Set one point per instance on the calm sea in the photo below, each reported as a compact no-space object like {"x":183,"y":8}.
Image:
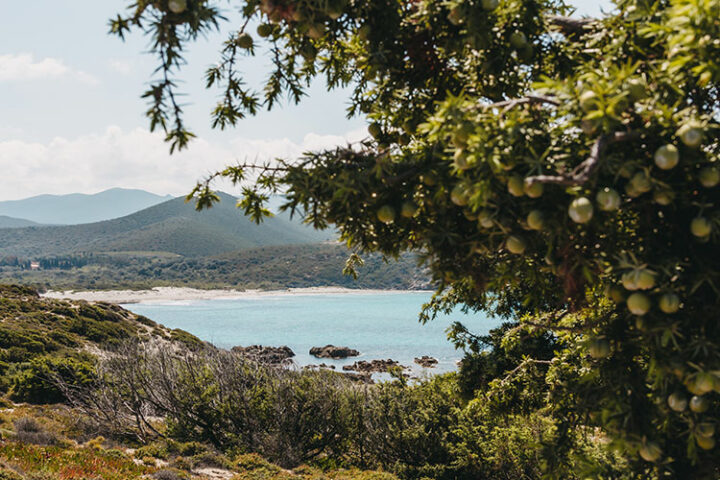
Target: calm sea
{"x":379,"y":325}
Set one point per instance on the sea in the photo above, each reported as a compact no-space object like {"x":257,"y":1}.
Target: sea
{"x":380,"y":325}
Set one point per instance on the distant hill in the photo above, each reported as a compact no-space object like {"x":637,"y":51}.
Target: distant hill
{"x":173,"y":226}
{"x":78,"y":208}
{"x":269,"y":268}
{"x":11,"y":222}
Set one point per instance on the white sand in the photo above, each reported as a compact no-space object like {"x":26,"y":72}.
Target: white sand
{"x":169,"y":294}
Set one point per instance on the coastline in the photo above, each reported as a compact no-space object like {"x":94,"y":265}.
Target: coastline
{"x":171,"y":294}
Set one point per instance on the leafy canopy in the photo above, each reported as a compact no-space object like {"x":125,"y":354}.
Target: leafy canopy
{"x":557,"y":170}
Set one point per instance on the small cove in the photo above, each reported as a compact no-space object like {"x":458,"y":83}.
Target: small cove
{"x":380,"y":325}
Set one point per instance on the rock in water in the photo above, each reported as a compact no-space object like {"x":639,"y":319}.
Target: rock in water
{"x":359,"y":377}
{"x":331,"y":351}
{"x":426,"y":361}
{"x":373,"y":366}
{"x":274,"y":356}
{"x":318,"y":367}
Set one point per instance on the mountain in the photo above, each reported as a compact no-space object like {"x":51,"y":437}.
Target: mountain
{"x":173,"y":226}
{"x":78,"y":208}
{"x":11,"y":222}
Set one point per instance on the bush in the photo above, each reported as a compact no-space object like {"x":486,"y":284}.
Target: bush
{"x":7,"y":474}
{"x":28,"y":430}
{"x":211,"y":460}
{"x":154,"y":449}
{"x":169,"y":474}
{"x":418,"y":430}
{"x":38,"y":383}
{"x":255,"y":463}
{"x":187,"y":339}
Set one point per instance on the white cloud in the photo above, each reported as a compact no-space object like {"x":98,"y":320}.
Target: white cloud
{"x":23,"y":67}
{"x":134,"y":159}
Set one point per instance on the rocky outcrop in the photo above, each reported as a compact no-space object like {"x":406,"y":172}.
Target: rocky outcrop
{"x":331,"y":351}
{"x":373,"y":366}
{"x":426,"y":361}
{"x":275,"y":356}
{"x":317,"y":367}
{"x":359,"y":377}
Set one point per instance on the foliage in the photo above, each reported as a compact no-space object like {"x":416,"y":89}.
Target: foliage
{"x":27,"y":430}
{"x":37,"y":382}
{"x":425,"y":430}
{"x":6,"y":474}
{"x":70,"y":463}
{"x":559,"y":170}
{"x":43,"y":341}
{"x":277,"y":267}
{"x":21,"y":459}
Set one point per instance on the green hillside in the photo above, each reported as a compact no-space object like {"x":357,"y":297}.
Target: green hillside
{"x":12,"y":222}
{"x":173,"y":226}
{"x":273,"y":267}
{"x":39,"y":334}
{"x":78,"y":208}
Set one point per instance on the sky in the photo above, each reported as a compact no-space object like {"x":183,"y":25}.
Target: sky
{"x":72,"y":120}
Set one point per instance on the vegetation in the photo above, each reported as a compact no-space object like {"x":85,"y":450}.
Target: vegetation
{"x":558,"y":170}
{"x":291,"y":266}
{"x":74,"y":455}
{"x":424,"y":430}
{"x":184,"y":406}
{"x":11,"y":222}
{"x":43,"y":341}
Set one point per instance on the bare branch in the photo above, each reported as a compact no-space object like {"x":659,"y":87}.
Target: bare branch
{"x":582,"y":173}
{"x":571,"y":26}
{"x":527,"y":100}
{"x":524,"y":364}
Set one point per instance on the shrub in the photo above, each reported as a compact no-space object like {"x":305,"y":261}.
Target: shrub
{"x":181,"y":463}
{"x":7,"y":474}
{"x":417,"y":430}
{"x":210,"y":459}
{"x":96,"y":443}
{"x":188,"y":448}
{"x":255,"y":463}
{"x":155,"y":449}
{"x":187,"y":339}
{"x":169,"y":474}
{"x":38,"y":383}
{"x":28,"y":430}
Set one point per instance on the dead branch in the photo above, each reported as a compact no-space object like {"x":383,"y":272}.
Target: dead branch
{"x":582,"y":173}
{"x":571,"y":26}
{"x":521,"y":366}
{"x":507,"y":105}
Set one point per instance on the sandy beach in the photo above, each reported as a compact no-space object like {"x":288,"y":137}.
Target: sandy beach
{"x":168,"y":294}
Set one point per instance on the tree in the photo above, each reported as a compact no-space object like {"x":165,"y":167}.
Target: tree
{"x":558,"y":170}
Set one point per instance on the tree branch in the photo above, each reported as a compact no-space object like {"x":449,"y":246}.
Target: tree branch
{"x":522,"y":365}
{"x":527,"y":100}
{"x":571,"y":26}
{"x":582,"y":173}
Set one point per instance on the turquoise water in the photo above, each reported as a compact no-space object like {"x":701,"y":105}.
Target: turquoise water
{"x":379,"y":325}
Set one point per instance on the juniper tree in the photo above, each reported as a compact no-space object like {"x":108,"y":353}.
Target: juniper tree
{"x":559,"y":170}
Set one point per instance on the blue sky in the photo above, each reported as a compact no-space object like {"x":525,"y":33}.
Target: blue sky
{"x":71,"y":117}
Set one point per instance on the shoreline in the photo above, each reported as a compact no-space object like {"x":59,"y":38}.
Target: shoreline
{"x":173,"y":294}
